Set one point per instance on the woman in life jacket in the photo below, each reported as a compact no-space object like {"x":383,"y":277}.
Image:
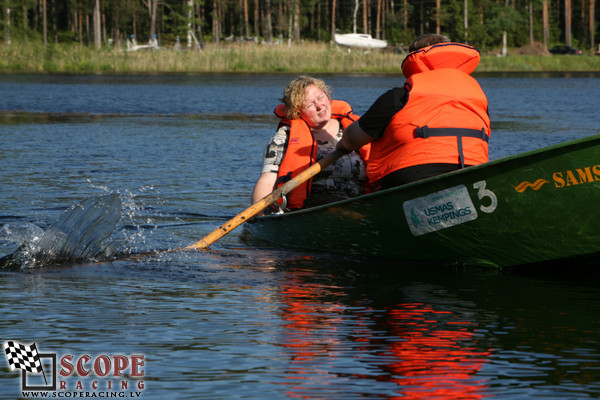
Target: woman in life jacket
{"x":435,"y":123}
{"x":310,"y":126}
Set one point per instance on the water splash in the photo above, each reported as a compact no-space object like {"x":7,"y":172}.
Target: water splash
{"x":20,"y":233}
{"x":114,"y":226}
{"x":83,"y":232}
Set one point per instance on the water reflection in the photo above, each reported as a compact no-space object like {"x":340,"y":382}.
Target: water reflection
{"x":424,"y":350}
{"x":437,"y":353}
{"x":285,"y":325}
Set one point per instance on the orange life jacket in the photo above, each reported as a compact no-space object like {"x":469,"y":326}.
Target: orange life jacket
{"x":301,"y":150}
{"x":445,"y":119}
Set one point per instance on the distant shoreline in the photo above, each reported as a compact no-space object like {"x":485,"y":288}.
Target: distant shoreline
{"x":306,"y":58}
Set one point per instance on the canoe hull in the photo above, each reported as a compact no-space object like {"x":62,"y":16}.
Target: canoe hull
{"x":536,"y":207}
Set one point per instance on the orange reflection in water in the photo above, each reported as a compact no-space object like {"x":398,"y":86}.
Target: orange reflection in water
{"x":429,"y":353}
{"x":436,"y":354}
{"x":311,"y":324}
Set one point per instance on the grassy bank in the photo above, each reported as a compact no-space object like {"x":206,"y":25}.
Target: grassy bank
{"x":250,"y":58}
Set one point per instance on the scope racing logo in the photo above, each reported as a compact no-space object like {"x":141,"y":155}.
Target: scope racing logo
{"x":103,"y":376}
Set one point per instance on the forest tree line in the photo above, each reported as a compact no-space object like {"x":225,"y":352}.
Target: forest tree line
{"x":486,"y":24}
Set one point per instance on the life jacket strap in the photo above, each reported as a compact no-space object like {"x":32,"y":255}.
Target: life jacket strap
{"x":426,"y":132}
{"x":283,"y":179}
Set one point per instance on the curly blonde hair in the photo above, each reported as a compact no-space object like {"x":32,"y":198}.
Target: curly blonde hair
{"x":293,"y":94}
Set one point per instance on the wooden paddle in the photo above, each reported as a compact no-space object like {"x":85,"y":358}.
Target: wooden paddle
{"x":265,"y":201}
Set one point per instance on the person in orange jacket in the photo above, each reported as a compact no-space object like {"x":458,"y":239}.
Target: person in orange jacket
{"x":310,"y":126}
{"x":436,"y":123}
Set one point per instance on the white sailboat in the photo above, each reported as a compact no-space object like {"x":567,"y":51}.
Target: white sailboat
{"x":358,"y":40}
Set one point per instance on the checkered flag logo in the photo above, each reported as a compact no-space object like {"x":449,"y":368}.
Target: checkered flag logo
{"x":23,"y":357}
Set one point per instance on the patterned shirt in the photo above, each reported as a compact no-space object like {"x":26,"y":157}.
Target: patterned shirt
{"x":343,"y":179}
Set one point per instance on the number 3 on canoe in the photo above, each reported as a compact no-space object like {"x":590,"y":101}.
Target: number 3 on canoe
{"x":482,"y":192}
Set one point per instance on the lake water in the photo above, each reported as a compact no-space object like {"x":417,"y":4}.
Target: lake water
{"x":239,"y":322}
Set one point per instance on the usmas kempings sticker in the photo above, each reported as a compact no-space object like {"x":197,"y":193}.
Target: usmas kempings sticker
{"x":439,"y":210}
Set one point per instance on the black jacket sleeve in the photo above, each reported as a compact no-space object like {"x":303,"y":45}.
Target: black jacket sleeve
{"x":378,"y":116}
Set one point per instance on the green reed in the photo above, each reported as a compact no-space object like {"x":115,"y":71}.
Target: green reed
{"x":308,"y":57}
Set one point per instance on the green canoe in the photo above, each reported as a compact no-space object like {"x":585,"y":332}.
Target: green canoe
{"x":534,"y":207}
